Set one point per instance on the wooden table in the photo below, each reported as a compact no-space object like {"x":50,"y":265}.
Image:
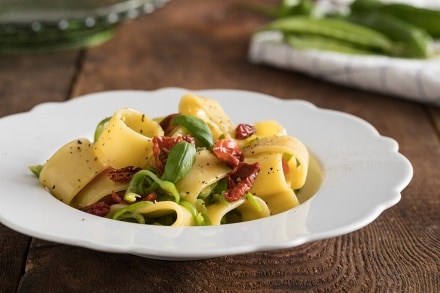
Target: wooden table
{"x":199,"y":44}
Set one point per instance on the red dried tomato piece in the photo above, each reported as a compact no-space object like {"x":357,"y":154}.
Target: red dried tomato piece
{"x":116,"y":198}
{"x":150,"y":197}
{"x":162,"y":146}
{"x":228,"y":151}
{"x":243,"y":131}
{"x":166,"y":124}
{"x":241,"y":180}
{"x":122,"y":174}
{"x":98,"y":209}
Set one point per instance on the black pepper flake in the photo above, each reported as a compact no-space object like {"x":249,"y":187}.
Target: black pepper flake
{"x":79,"y":142}
{"x":53,"y":187}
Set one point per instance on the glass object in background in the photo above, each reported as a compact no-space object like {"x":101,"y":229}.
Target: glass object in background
{"x":47,"y":25}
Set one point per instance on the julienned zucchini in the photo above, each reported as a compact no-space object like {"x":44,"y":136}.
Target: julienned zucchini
{"x":410,"y":41}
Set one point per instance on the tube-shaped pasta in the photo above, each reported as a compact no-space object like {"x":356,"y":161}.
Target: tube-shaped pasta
{"x":127,"y":139}
{"x":206,"y":171}
{"x":98,"y":188}
{"x":264,"y":128}
{"x":292,"y":150}
{"x":271,"y":184}
{"x":209,"y":111}
{"x":71,"y":168}
{"x":276,"y":182}
{"x":248,"y":212}
{"x":269,"y":128}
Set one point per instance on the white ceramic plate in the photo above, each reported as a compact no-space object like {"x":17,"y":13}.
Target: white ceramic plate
{"x":363,"y":175}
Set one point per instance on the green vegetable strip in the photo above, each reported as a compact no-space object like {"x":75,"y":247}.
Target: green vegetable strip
{"x":199,"y":220}
{"x":136,"y":186}
{"x":180,"y":160}
{"x":197,"y":128}
{"x":100,"y":128}
{"x":36,"y":169}
{"x":127,"y":212}
{"x":132,"y":215}
{"x":253,"y":201}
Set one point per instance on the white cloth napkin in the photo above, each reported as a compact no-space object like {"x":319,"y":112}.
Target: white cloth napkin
{"x":417,"y":80}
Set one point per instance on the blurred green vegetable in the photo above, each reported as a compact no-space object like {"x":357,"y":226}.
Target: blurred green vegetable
{"x":305,"y":42}
{"x":284,"y":9}
{"x":332,"y":28}
{"x":410,"y":41}
{"x":423,"y":18}
{"x":371,"y":27}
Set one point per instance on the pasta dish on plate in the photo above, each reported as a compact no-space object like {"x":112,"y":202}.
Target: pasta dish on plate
{"x":193,"y":167}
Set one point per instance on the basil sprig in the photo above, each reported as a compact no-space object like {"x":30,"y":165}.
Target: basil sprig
{"x":180,"y":160}
{"x":197,"y":128}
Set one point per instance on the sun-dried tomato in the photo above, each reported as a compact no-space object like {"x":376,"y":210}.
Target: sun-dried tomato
{"x":116,"y":197}
{"x":241,"y":180}
{"x":122,"y":174}
{"x":162,"y":146}
{"x":166,"y":124}
{"x":243,"y":131}
{"x":228,"y":151}
{"x":98,"y":209}
{"x":150,"y":197}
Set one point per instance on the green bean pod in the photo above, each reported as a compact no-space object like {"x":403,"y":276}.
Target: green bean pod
{"x":307,"y":42}
{"x":411,"y":42}
{"x":424,"y":18}
{"x":334,"y":28}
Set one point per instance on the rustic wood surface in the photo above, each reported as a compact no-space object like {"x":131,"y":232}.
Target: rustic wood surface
{"x":199,"y":44}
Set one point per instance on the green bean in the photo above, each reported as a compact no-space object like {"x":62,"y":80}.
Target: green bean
{"x":335,"y":28}
{"x":285,"y":8}
{"x":411,"y":41}
{"x":304,"y":42}
{"x":424,"y":18}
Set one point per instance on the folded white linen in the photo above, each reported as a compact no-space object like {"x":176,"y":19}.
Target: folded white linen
{"x":418,"y":80}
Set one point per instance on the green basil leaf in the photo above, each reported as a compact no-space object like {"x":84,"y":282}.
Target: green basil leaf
{"x":197,"y":128}
{"x":180,"y":160}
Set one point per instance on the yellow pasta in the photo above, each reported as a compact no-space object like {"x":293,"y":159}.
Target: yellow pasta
{"x":71,"y":168}
{"x":206,"y":171}
{"x":96,"y":190}
{"x":127,"y":139}
{"x":209,"y":111}
{"x":245,"y":209}
{"x":291,"y":149}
